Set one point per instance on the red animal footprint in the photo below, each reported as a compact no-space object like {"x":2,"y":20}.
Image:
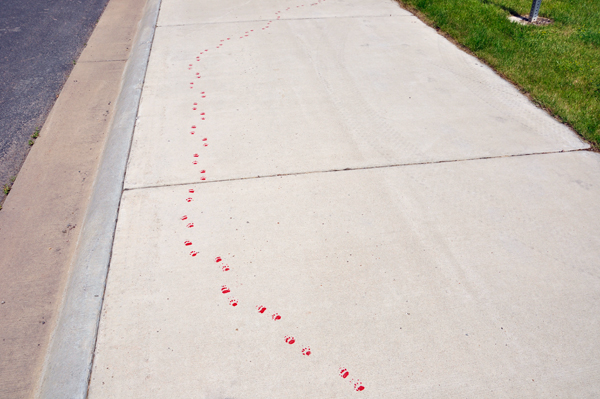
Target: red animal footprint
{"x":193,"y":126}
{"x":261,"y":309}
{"x":358,"y":386}
{"x":192,"y":132}
{"x":187,"y":243}
{"x":202,"y":171}
{"x":204,"y":139}
{"x":190,"y":225}
{"x":193,"y":253}
{"x":306,"y":351}
{"x":195,"y":162}
{"x":218,"y":259}
{"x":184,"y":217}
{"x":344,"y":373}
{"x":225,"y":290}
{"x":276,"y":316}
{"x":196,"y":155}
{"x":203,"y":178}
{"x":189,"y":199}
{"x":191,"y":190}
{"x":225,"y":268}
{"x":289,"y":340}
{"x":233,"y":302}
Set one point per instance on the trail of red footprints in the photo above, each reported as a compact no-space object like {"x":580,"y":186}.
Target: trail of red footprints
{"x":200,"y":116}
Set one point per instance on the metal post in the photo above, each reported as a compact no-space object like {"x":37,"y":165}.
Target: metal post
{"x":535,"y":10}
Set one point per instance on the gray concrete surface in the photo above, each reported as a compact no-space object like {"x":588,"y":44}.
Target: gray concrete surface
{"x":39,"y":41}
{"x":362,"y":209}
{"x":42,"y":218}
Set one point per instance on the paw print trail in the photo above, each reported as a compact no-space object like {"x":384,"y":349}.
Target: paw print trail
{"x":198,"y":115}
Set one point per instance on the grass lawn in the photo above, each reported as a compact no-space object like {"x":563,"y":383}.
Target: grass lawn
{"x":557,"y":64}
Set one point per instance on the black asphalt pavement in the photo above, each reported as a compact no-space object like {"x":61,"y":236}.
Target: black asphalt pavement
{"x":39,"y":42}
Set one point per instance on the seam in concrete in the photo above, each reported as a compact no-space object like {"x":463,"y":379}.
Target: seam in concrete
{"x":361,"y":168}
{"x":281,"y":20}
{"x":68,"y":364}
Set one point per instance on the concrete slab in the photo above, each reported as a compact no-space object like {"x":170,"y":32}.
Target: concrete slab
{"x":461,"y":279}
{"x":183,"y":12}
{"x":303,"y":95}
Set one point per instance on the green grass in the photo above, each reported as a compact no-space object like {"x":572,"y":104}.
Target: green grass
{"x":557,"y":64}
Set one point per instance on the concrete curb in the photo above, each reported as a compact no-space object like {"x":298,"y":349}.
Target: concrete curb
{"x":69,"y":361}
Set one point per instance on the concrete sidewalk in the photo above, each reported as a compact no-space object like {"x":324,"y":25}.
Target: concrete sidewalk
{"x":329,"y":199}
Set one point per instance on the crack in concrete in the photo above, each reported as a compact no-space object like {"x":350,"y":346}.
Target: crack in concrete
{"x":357,"y":168}
{"x":285,"y":19}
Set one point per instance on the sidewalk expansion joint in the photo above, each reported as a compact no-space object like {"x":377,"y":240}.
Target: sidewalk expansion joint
{"x":281,"y":20}
{"x":357,"y":168}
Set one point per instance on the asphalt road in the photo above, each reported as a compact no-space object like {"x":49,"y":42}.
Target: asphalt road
{"x":39,"y":42}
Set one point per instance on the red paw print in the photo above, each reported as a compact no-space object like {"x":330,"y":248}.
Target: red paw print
{"x":184,"y":217}
{"x":187,"y":243}
{"x":190,"y":225}
{"x":202,"y":171}
{"x":191,"y":190}
{"x":225,"y":268}
{"x":233,"y":302}
{"x":306,"y":351}
{"x":344,"y":373}
{"x":358,"y":386}
{"x":218,"y":259}
{"x":196,"y":155}
{"x":189,"y":199}
{"x":193,"y":253}
{"x":261,"y":309}
{"x":224,"y":289}
{"x":289,"y":340}
{"x":276,"y":316}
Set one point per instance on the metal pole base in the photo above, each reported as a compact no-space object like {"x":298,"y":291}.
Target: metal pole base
{"x":535,"y":10}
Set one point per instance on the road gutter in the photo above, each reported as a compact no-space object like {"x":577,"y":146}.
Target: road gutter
{"x":68,"y":364}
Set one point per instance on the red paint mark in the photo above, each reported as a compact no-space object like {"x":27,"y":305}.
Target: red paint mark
{"x":276,"y":316}
{"x":225,"y":268}
{"x":202,"y":171}
{"x":203,"y":96}
{"x":190,"y":225}
{"x":202,"y":93}
{"x":194,"y":108}
{"x":261,"y":309}
{"x":218,"y":259}
{"x":184,"y":217}
{"x":187,"y":243}
{"x":191,"y":83}
{"x":206,"y":145}
{"x":189,"y":199}
{"x":233,"y":302}
{"x":203,"y":113}
{"x":191,"y":190}
{"x":228,"y":38}
{"x":197,"y":73}
{"x":195,"y":162}
{"x":196,"y":155}
{"x":344,"y":373}
{"x":192,"y":132}
{"x":225,"y":290}
{"x":195,"y":103}
{"x":203,"y":178}
{"x":204,"y":139}
{"x":198,"y":77}
{"x":289,"y":340}
{"x":306,"y":351}
{"x":358,"y":386}
{"x":193,"y":253}
{"x":190,"y":64}
{"x":193,"y":126}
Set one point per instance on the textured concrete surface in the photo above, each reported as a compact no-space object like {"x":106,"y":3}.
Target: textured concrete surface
{"x":39,"y":40}
{"x":462,"y":279}
{"x":42,"y":217}
{"x":417,"y":229}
